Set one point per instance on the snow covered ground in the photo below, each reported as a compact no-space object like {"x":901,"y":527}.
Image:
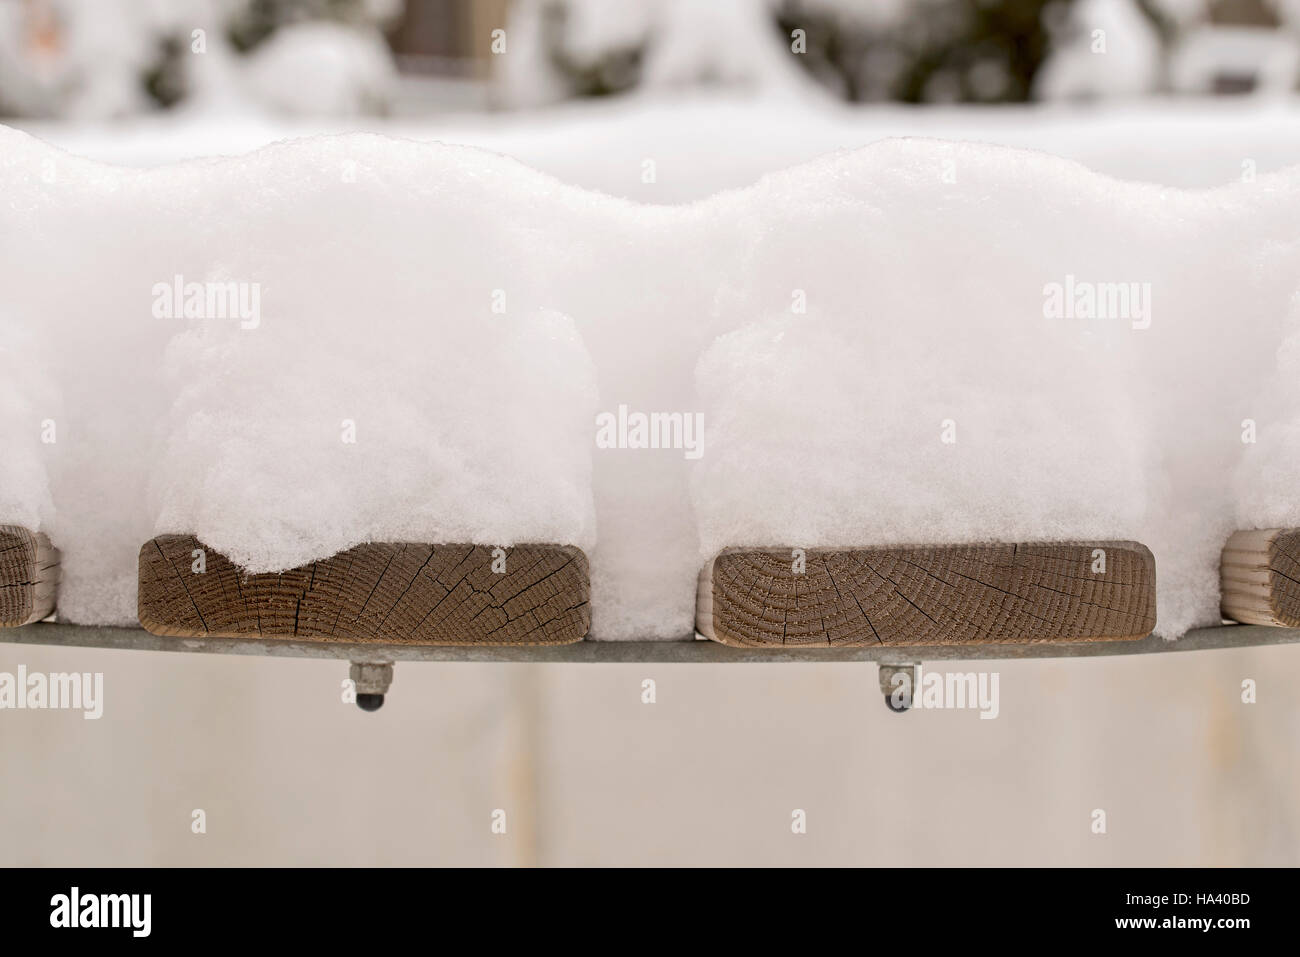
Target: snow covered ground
{"x":829,"y":318}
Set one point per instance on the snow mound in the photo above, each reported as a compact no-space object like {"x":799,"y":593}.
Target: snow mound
{"x":318,"y":68}
{"x":28,"y":421}
{"x":318,"y":344}
{"x":281,"y":452}
{"x":936,"y":342}
{"x":356,"y":338}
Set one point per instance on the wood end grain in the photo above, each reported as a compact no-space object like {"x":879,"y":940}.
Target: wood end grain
{"x":29,"y":576}
{"x":381,"y":592}
{"x":1259,"y":577}
{"x":928,"y":595}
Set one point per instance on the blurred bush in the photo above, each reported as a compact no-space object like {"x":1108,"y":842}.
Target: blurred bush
{"x":100,"y":58}
{"x":95,"y":59}
{"x":927,"y":51}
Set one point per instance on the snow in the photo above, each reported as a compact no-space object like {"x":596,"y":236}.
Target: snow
{"x":583,"y":31}
{"x":27,"y":406}
{"x":476,"y":430}
{"x":84,"y":59}
{"x":703,"y":144}
{"x":593,"y":27}
{"x":1264,"y":481}
{"x":322,"y":68}
{"x":1269,"y":57}
{"x":372,"y":394}
{"x":928,"y":318}
{"x":1109,"y":49}
{"x":726,"y":42}
{"x":926,"y":267}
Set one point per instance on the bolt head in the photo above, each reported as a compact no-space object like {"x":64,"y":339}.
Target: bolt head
{"x":889,"y":703}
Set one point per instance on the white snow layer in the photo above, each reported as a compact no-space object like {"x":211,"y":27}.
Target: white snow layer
{"x":918,"y":341}
{"x":365,"y":388}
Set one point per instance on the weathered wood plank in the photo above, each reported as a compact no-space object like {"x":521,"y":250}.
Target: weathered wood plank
{"x":383,"y":592}
{"x":29,"y":576}
{"x":928,"y":595}
{"x":1259,"y":577}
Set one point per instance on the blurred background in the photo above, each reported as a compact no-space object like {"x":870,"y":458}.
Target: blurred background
{"x":710,"y":774}
{"x":91,"y":59}
{"x":1191,"y":93}
{"x":717,"y":92}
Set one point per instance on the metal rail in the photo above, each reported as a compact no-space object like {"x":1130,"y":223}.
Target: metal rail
{"x":372,"y":671}
{"x":683,"y":652}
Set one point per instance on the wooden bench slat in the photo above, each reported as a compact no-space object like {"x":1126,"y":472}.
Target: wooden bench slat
{"x":383,"y":592}
{"x":928,"y":595}
{"x":29,"y":576}
{"x":1259,"y":577}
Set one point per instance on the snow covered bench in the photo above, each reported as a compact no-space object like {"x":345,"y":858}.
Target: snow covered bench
{"x":383,"y":593}
{"x":29,"y":576}
{"x":928,"y":595}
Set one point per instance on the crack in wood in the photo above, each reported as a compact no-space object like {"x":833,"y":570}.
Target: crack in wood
{"x":452,"y":598}
{"x":908,"y":595}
